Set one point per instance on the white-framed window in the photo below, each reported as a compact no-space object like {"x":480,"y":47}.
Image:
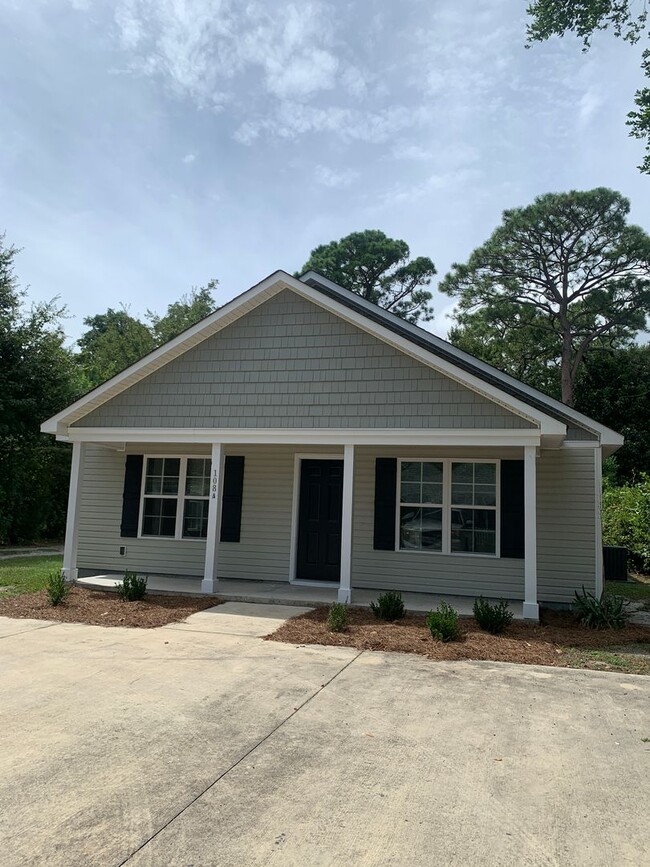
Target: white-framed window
{"x":175,"y":497}
{"x":448,"y":505}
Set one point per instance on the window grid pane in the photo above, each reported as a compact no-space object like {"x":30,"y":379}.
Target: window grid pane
{"x":473,"y":484}
{"x":421,"y":482}
{"x":473,"y":531}
{"x":195,"y":519}
{"x":197,"y":480}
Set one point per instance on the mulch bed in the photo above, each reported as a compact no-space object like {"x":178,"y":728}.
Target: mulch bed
{"x":105,"y":609}
{"x":535,"y":644}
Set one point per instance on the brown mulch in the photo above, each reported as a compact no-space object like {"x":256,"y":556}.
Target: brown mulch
{"x":105,"y":609}
{"x":535,"y":644}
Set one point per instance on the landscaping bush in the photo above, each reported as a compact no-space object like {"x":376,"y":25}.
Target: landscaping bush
{"x":608,"y":612}
{"x":337,"y":617}
{"x":132,"y":588}
{"x":493,"y":618}
{"x":443,"y":623}
{"x":57,"y":588}
{"x":389,"y":606}
{"x":626,"y":520}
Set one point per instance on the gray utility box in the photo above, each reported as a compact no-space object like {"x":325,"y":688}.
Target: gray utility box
{"x":614,"y":563}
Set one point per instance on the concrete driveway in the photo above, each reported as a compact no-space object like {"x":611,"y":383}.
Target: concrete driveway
{"x":200,"y":744}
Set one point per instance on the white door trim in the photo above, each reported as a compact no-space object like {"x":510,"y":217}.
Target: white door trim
{"x":298,"y":458}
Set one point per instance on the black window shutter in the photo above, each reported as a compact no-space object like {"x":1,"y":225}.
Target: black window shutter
{"x":512,"y":509}
{"x":233,"y":486}
{"x":385,"y":493}
{"x":131,"y":496}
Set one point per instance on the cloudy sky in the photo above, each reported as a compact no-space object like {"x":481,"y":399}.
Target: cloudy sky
{"x":147,"y":146}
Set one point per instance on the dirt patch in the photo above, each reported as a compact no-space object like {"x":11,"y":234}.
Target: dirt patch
{"x":545,"y":643}
{"x":105,"y":609}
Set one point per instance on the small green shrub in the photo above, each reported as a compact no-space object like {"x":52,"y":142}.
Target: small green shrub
{"x":492,"y":618}
{"x":608,"y":612}
{"x":337,"y":617}
{"x":132,"y":588}
{"x":57,"y":588}
{"x":443,"y":623}
{"x":389,"y":606}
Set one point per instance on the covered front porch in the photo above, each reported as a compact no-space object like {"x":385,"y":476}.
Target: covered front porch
{"x":266,"y":557}
{"x":284,"y":593}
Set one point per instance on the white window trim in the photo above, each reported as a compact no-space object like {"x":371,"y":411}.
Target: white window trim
{"x":447,"y":507}
{"x":179,"y":497}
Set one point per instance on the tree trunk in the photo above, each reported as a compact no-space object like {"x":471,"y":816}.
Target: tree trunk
{"x":565,"y":367}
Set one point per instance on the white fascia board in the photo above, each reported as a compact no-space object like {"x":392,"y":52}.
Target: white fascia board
{"x":308,"y":436}
{"x":222,"y":317}
{"x":607,"y":435}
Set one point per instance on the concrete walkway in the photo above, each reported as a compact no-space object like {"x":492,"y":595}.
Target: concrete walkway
{"x":200,"y":744}
{"x":283,"y":593}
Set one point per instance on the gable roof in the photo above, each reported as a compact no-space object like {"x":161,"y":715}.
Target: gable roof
{"x":551,"y":415}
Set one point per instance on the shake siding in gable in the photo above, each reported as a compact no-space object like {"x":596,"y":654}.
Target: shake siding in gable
{"x":291,"y":364}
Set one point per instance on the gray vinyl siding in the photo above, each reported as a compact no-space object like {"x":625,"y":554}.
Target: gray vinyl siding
{"x":566,"y":536}
{"x":424,"y":571}
{"x":292,"y":364}
{"x":100,"y":516}
{"x":566,"y":523}
{"x":261,"y":554}
{"x":566,"y":526}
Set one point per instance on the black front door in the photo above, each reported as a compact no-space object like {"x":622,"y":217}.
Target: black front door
{"x":319,"y":521}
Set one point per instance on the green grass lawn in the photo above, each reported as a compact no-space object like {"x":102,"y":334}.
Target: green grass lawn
{"x":624,"y":659}
{"x":636,"y":588}
{"x":26,"y":574}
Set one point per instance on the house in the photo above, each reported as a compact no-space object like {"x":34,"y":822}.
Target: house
{"x":303,"y":434}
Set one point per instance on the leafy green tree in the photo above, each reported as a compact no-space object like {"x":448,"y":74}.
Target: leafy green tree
{"x":38,"y":377}
{"x":513,"y":339}
{"x":625,"y":18}
{"x":570,"y":263}
{"x":614,"y":388}
{"x":379,"y":269}
{"x":113,"y":341}
{"x":183,"y":313}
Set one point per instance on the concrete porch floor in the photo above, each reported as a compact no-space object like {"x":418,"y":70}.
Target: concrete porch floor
{"x":283,"y":593}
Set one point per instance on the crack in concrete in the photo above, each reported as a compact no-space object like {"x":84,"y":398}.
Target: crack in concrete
{"x":29,"y":629}
{"x":245,"y":755}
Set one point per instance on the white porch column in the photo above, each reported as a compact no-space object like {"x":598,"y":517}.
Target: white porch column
{"x":210,"y":579}
{"x":345,"y":592}
{"x":530,"y":608}
{"x":69,"y":568}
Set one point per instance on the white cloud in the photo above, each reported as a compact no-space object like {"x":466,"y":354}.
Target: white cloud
{"x":329,"y":177}
{"x":188,"y":158}
{"x":588,"y":105}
